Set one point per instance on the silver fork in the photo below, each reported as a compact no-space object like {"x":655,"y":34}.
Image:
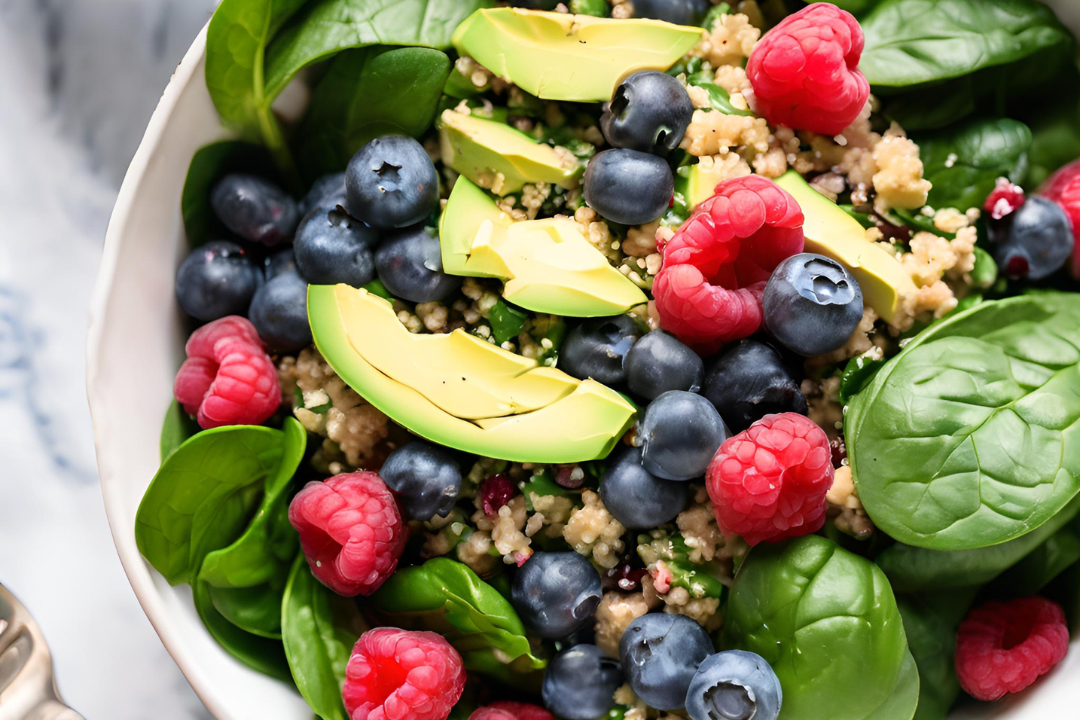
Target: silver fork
{"x":27,"y":686}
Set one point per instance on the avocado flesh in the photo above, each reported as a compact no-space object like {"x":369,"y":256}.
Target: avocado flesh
{"x":558,"y":56}
{"x":697,"y":184}
{"x":582,"y":423}
{"x":549,"y":266}
{"x":886,"y":285}
{"x":481,"y":149}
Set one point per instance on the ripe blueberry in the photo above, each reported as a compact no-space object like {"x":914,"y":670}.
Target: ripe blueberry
{"x":215,"y":280}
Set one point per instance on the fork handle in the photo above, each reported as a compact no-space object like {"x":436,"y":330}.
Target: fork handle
{"x":53,"y":710}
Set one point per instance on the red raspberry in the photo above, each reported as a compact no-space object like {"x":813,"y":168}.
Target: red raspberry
{"x":351,"y":531}
{"x":805,"y":71}
{"x":1004,"y":647}
{"x":402,"y":675}
{"x":1063,"y":187}
{"x":228,"y":379}
{"x":510,"y":710}
{"x":495,"y":492}
{"x":1004,"y":199}
{"x":715,"y":267}
{"x":769,"y":482}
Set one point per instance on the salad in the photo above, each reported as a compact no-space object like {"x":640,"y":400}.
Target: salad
{"x":632,"y":359}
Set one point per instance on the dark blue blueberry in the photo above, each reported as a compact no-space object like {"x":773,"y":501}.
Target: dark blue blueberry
{"x":734,"y":685}
{"x":658,"y":363}
{"x":1033,"y":241}
{"x":579,"y":683}
{"x":215,"y":280}
{"x":279,"y":313}
{"x":679,"y":435}
{"x":660,"y":654}
{"x":638,"y":499}
{"x":391,"y":183}
{"x":628,"y":186}
{"x":332,"y":248}
{"x":812,"y":304}
{"x":555,"y":593}
{"x":254,"y":208}
{"x":596,"y":349}
{"x":409,"y":264}
{"x":281,"y":262}
{"x":649,"y":112}
{"x":426,"y":478}
{"x":680,"y":12}
{"x":749,"y":381}
{"x":327,"y":192}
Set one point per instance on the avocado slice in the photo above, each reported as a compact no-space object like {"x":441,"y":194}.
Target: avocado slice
{"x":551,"y":417}
{"x":697,"y":184}
{"x":549,"y":266}
{"x":558,"y":56}
{"x":480,"y":149}
{"x":886,"y":285}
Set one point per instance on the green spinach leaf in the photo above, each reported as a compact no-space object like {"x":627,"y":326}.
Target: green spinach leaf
{"x":719,"y":99}
{"x":507,"y":321}
{"x":177,"y":428}
{"x":209,"y":164}
{"x":1029,"y":576}
{"x":1055,"y":138}
{"x":930,"y":623}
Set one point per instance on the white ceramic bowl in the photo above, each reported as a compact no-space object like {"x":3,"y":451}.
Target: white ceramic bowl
{"x":135,"y":346}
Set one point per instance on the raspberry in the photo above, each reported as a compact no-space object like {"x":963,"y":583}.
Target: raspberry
{"x":805,"y":71}
{"x":715,"y":267}
{"x":510,"y":710}
{"x":1002,"y":647}
{"x":769,"y":482}
{"x":402,"y":675}
{"x":351,"y":531}
{"x":495,"y":492}
{"x":1063,"y":187}
{"x":228,"y":379}
{"x":1003,"y":199}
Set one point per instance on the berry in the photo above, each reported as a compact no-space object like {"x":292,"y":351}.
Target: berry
{"x":227,"y":379}
{"x":350,"y":530}
{"x":708,"y":291}
{"x":658,"y":363}
{"x":1063,"y":187}
{"x":659,"y":654}
{"x":391,"y":183}
{"x":555,"y":593}
{"x":805,"y":71}
{"x":280,"y":263}
{"x":625,"y":576}
{"x":495,"y":492}
{"x":426,"y":478}
{"x":1004,"y":199}
{"x":326,"y":192}
{"x":734,"y":685}
{"x":596,"y":348}
{"x":1033,"y":242}
{"x":402,"y":675}
{"x":680,"y":12}
{"x":679,"y":435}
{"x":638,"y":499}
{"x":769,"y":482}
{"x":410,"y":266}
{"x":749,"y":381}
{"x":215,"y":280}
{"x":812,"y":304}
{"x":254,"y":208}
{"x":628,"y":186}
{"x":649,"y":112}
{"x":332,"y":248}
{"x":579,"y":683}
{"x":1003,"y":647}
{"x":516,"y":710}
{"x":279,"y":313}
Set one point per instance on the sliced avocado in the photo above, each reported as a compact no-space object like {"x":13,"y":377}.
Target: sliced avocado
{"x":886,"y":285}
{"x":697,"y":184}
{"x":481,"y":149}
{"x":549,"y":266}
{"x":558,"y":56}
{"x":414,"y":379}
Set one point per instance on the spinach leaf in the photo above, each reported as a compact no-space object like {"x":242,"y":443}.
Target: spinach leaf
{"x":1055,"y":138}
{"x":930,"y":623}
{"x":596,"y":8}
{"x":177,"y":428}
{"x":985,"y":272}
{"x":857,"y":373}
{"x":1029,"y":576}
{"x":507,"y":321}
{"x":367,"y":93}
{"x":209,"y":164}
{"x":824,"y":618}
{"x":968,"y":437}
{"x":718,"y":97}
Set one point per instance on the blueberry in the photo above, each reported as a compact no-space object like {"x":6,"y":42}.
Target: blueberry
{"x":410,"y":266}
{"x":680,"y":12}
{"x":579,"y":683}
{"x":426,"y":478}
{"x":332,"y":248}
{"x":649,"y":112}
{"x":628,"y":186}
{"x":660,"y":654}
{"x":679,"y":435}
{"x":749,"y":381}
{"x":279,"y":313}
{"x":734,"y":685}
{"x":555,"y":593}
{"x":281,"y":262}
{"x":328,"y":191}
{"x":215,"y":280}
{"x":596,"y":349}
{"x":658,"y":363}
{"x":254,"y":208}
{"x":391,"y":183}
{"x":1033,"y":241}
{"x":812,"y":304}
{"x":638,"y":499}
